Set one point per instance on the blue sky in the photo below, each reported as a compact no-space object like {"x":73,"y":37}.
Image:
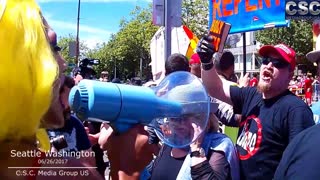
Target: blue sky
{"x":98,"y":18}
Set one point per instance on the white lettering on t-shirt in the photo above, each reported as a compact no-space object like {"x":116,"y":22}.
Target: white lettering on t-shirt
{"x":247,"y":140}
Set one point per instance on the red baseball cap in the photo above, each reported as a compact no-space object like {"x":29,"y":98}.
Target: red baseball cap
{"x":282,"y":50}
{"x":195,"y":59}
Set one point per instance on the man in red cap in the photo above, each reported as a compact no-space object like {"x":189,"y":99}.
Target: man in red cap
{"x":271,"y":114}
{"x":301,"y":159}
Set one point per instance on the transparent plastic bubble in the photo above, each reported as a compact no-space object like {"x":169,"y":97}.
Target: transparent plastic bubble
{"x":187,"y":89}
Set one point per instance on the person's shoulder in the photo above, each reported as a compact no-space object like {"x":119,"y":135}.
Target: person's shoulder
{"x":249,"y":93}
{"x":252,"y":91}
{"x":75,"y":121}
{"x":308,"y":135}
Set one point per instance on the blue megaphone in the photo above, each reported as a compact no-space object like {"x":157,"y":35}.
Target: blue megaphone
{"x":121,"y":105}
{"x":179,"y":95}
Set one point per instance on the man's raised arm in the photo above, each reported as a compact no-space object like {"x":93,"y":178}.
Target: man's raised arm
{"x":214,"y":85}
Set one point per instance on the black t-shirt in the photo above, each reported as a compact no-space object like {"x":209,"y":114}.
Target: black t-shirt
{"x":74,"y":133}
{"x":267,"y":126}
{"x":166,"y":166}
{"x":301,"y":159}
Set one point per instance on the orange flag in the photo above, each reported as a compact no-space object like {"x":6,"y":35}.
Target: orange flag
{"x":193,"y":41}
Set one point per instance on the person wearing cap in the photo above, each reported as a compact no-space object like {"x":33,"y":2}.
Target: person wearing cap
{"x":194,"y":64}
{"x":301,"y":158}
{"x":271,"y":115}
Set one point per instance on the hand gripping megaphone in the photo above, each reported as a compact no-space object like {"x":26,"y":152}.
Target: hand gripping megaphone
{"x":179,"y":104}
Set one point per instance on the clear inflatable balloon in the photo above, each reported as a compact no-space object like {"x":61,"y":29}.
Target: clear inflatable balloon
{"x":185,"y":88}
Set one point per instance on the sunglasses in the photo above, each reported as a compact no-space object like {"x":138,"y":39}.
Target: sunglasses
{"x":277,"y":63}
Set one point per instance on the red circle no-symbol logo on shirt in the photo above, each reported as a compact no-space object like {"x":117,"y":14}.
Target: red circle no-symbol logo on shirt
{"x":250,"y":138}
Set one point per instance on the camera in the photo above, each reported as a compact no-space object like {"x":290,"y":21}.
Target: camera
{"x":85,"y":68}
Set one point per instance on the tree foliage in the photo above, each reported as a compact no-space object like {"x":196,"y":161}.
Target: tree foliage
{"x":130,"y":46}
{"x":122,"y":54}
{"x":195,"y":15}
{"x":64,"y":44}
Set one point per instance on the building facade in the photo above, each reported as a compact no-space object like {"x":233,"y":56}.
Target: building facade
{"x":252,"y":61}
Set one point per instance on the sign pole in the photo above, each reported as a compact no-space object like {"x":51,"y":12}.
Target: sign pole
{"x":244,"y":54}
{"x":167,"y":34}
{"x":77,"y":38}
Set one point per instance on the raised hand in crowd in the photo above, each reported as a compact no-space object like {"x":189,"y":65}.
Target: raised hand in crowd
{"x":269,"y":105}
{"x":205,"y":51}
{"x":244,"y":80}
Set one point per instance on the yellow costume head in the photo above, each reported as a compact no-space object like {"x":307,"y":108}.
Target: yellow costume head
{"x":27,"y":69}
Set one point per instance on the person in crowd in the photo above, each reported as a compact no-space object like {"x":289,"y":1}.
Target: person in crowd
{"x":194,"y":63}
{"x":293,"y":87}
{"x":308,"y":89}
{"x":104,"y":76}
{"x":315,"y":85}
{"x":131,"y":152}
{"x":93,"y":131}
{"x":116,"y":80}
{"x":179,"y":163}
{"x":314,"y":56}
{"x":93,"y":128}
{"x":254,"y":80}
{"x":34,"y":101}
{"x":225,"y":70}
{"x":211,"y":156}
{"x":271,"y":115}
{"x":176,"y":62}
{"x":301,"y":158}
{"x":225,"y":65}
{"x":136,"y":81}
{"x":244,"y":81}
{"x":300,"y":91}
{"x":73,"y":130}
{"x":72,"y":137}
